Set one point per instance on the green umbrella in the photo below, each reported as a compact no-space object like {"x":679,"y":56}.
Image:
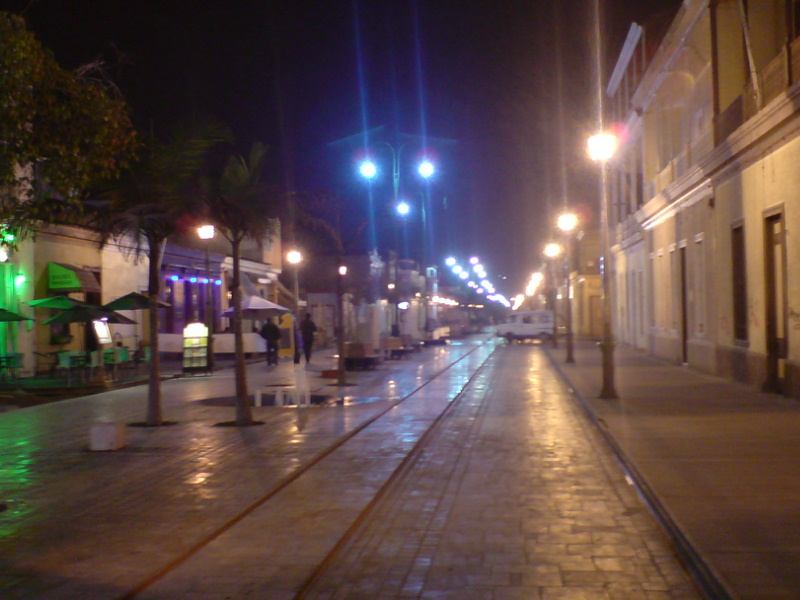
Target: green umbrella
{"x":59,"y":302}
{"x":87,"y":314}
{"x":7,"y":316}
{"x":132,"y":301}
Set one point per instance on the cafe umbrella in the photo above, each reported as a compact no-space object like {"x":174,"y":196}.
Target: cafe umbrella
{"x":7,"y":316}
{"x":87,"y":314}
{"x":58,"y":302}
{"x":256,"y":307}
{"x":133,"y":301}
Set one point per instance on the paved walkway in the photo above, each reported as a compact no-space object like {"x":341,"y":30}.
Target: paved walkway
{"x":514,"y":497}
{"x":511,"y":495}
{"x":718,"y":459}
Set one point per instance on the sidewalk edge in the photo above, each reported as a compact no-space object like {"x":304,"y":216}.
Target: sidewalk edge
{"x":710,"y":583}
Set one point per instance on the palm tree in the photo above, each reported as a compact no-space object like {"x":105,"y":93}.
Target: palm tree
{"x":320,"y":213}
{"x":146,"y":206}
{"x":240,"y":207}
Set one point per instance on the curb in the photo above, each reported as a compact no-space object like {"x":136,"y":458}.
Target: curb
{"x":710,"y":583}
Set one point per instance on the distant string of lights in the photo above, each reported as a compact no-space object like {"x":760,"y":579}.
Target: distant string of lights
{"x":474,"y":276}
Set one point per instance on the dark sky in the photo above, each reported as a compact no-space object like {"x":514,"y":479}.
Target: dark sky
{"x":509,"y":83}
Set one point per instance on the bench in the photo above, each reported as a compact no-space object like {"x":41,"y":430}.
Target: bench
{"x":360,"y":355}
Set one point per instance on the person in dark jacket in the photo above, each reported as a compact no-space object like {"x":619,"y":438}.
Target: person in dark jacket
{"x":272,"y":334}
{"x":307,"y":330}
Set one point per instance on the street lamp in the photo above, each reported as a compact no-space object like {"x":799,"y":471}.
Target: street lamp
{"x":552,"y":251}
{"x":295,"y":257}
{"x":567,"y":222}
{"x":601,"y":149}
{"x":206,"y":233}
{"x":425,"y":168}
{"x":341,"y":364}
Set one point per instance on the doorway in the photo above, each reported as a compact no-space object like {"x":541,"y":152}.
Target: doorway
{"x":775,"y":274}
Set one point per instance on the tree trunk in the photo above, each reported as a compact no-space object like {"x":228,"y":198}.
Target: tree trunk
{"x":244,"y":415}
{"x":154,"y":416}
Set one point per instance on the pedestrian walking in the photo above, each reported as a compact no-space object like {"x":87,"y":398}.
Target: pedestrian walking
{"x":307,"y":330}
{"x":272,"y":335}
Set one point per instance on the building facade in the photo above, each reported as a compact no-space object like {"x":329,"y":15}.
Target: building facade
{"x":705,"y":191}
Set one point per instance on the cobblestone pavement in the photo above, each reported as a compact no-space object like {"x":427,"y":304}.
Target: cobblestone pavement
{"x":83,"y":524}
{"x":512,"y":494}
{"x":515,"y":497}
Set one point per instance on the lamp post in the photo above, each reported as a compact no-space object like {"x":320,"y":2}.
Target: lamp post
{"x":207,"y":232}
{"x":341,"y":370}
{"x":601,"y":149}
{"x":552,"y":251}
{"x":567,"y":223}
{"x":426,"y":169}
{"x":294,"y":258}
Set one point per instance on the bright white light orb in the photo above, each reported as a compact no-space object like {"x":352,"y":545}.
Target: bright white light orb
{"x":426,"y":169}
{"x":368,"y":169}
{"x":602,"y":146}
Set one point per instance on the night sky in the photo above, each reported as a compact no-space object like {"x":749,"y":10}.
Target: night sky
{"x":505,"y":90}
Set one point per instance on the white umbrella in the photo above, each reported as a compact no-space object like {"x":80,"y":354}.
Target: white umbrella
{"x":256,"y":307}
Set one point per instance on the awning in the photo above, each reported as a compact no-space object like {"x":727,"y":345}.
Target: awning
{"x":68,"y":278}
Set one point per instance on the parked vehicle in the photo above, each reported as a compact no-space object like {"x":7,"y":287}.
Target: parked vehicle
{"x":531,"y":325}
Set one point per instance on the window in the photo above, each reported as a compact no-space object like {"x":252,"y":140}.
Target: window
{"x":739,"y":260}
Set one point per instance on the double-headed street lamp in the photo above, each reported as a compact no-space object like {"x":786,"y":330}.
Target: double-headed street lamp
{"x":426,"y":169}
{"x":601,"y":149}
{"x":567,"y":223}
{"x":206,"y":233}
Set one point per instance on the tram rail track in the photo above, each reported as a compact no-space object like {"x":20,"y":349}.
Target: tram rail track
{"x":197,"y":547}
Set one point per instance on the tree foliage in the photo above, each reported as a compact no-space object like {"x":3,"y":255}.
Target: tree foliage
{"x":59,"y":130}
{"x":158,"y":194}
{"x":242,"y":206}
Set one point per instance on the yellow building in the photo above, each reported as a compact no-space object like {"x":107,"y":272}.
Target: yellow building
{"x":705,"y":190}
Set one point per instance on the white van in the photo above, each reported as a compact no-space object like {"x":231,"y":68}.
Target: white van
{"x":531,"y":325}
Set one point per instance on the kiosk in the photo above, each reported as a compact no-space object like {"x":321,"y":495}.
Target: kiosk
{"x":195,"y":349}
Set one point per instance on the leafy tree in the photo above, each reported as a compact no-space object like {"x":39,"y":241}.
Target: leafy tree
{"x":241,"y":206}
{"x":59,"y":130}
{"x":148,"y":204}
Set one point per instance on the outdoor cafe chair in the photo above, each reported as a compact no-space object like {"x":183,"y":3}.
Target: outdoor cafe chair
{"x":9,"y":365}
{"x":70,"y":361}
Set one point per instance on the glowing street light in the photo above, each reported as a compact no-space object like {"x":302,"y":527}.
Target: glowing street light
{"x":368,"y":169}
{"x":566,"y":222}
{"x":426,"y":169}
{"x":602,"y":146}
{"x":552,"y":250}
{"x":403,"y":208}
